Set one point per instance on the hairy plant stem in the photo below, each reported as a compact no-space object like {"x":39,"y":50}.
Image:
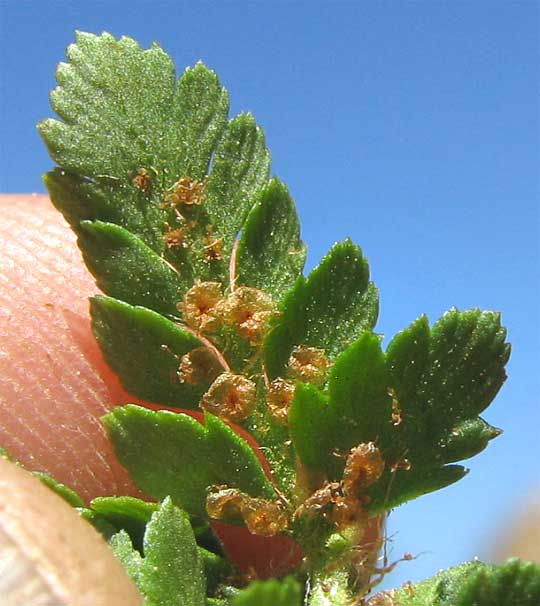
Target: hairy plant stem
{"x":341,"y":565}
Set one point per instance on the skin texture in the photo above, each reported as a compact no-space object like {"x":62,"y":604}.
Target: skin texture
{"x":54,"y":384}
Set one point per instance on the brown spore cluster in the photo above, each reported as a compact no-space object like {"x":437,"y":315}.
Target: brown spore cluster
{"x":344,"y":502}
{"x":279,"y":397}
{"x":262,"y":517}
{"x":231,"y":397}
{"x":200,"y":306}
{"x":185,"y":192}
{"x":199,"y":366}
{"x":308,"y":364}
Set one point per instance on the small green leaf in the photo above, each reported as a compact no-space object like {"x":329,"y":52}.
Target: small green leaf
{"x":284,"y":592}
{"x":467,"y":439}
{"x":419,"y":404}
{"x":436,"y":590}
{"x":329,"y":309}
{"x":358,"y":396}
{"x":271,"y":255}
{"x":112,"y":96}
{"x":200,"y":111}
{"x":130,"y":516}
{"x":514,"y":583}
{"x":171,"y":571}
{"x":127,"y":269}
{"x":105,"y":528}
{"x":472,"y":344}
{"x":80,"y":199}
{"x":173,"y":454}
{"x":129,"y":557}
{"x":231,"y":457}
{"x":63,"y":491}
{"x":442,"y":380}
{"x":144,"y":349}
{"x":124,"y":101}
{"x":126,"y":513}
{"x":407,"y":357}
{"x":164,"y":452}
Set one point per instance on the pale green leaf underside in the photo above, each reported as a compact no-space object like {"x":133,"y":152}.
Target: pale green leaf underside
{"x":129,"y":557}
{"x":126,"y":102}
{"x":173,"y":454}
{"x":128,"y":515}
{"x":171,"y":571}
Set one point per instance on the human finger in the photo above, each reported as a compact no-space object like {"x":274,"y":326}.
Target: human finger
{"x":54,"y":383}
{"x":49,"y":555}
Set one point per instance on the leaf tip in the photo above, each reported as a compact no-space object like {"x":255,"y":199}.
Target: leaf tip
{"x":495,"y":432}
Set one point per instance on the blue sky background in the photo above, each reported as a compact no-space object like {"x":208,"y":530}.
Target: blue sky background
{"x":412,"y":127}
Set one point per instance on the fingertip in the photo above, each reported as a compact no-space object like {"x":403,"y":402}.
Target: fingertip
{"x":49,"y":554}
{"x":54,"y":385}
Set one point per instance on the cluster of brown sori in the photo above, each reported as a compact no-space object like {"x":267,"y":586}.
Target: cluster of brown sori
{"x":182,"y":199}
{"x":341,"y":503}
{"x":205,"y":310}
